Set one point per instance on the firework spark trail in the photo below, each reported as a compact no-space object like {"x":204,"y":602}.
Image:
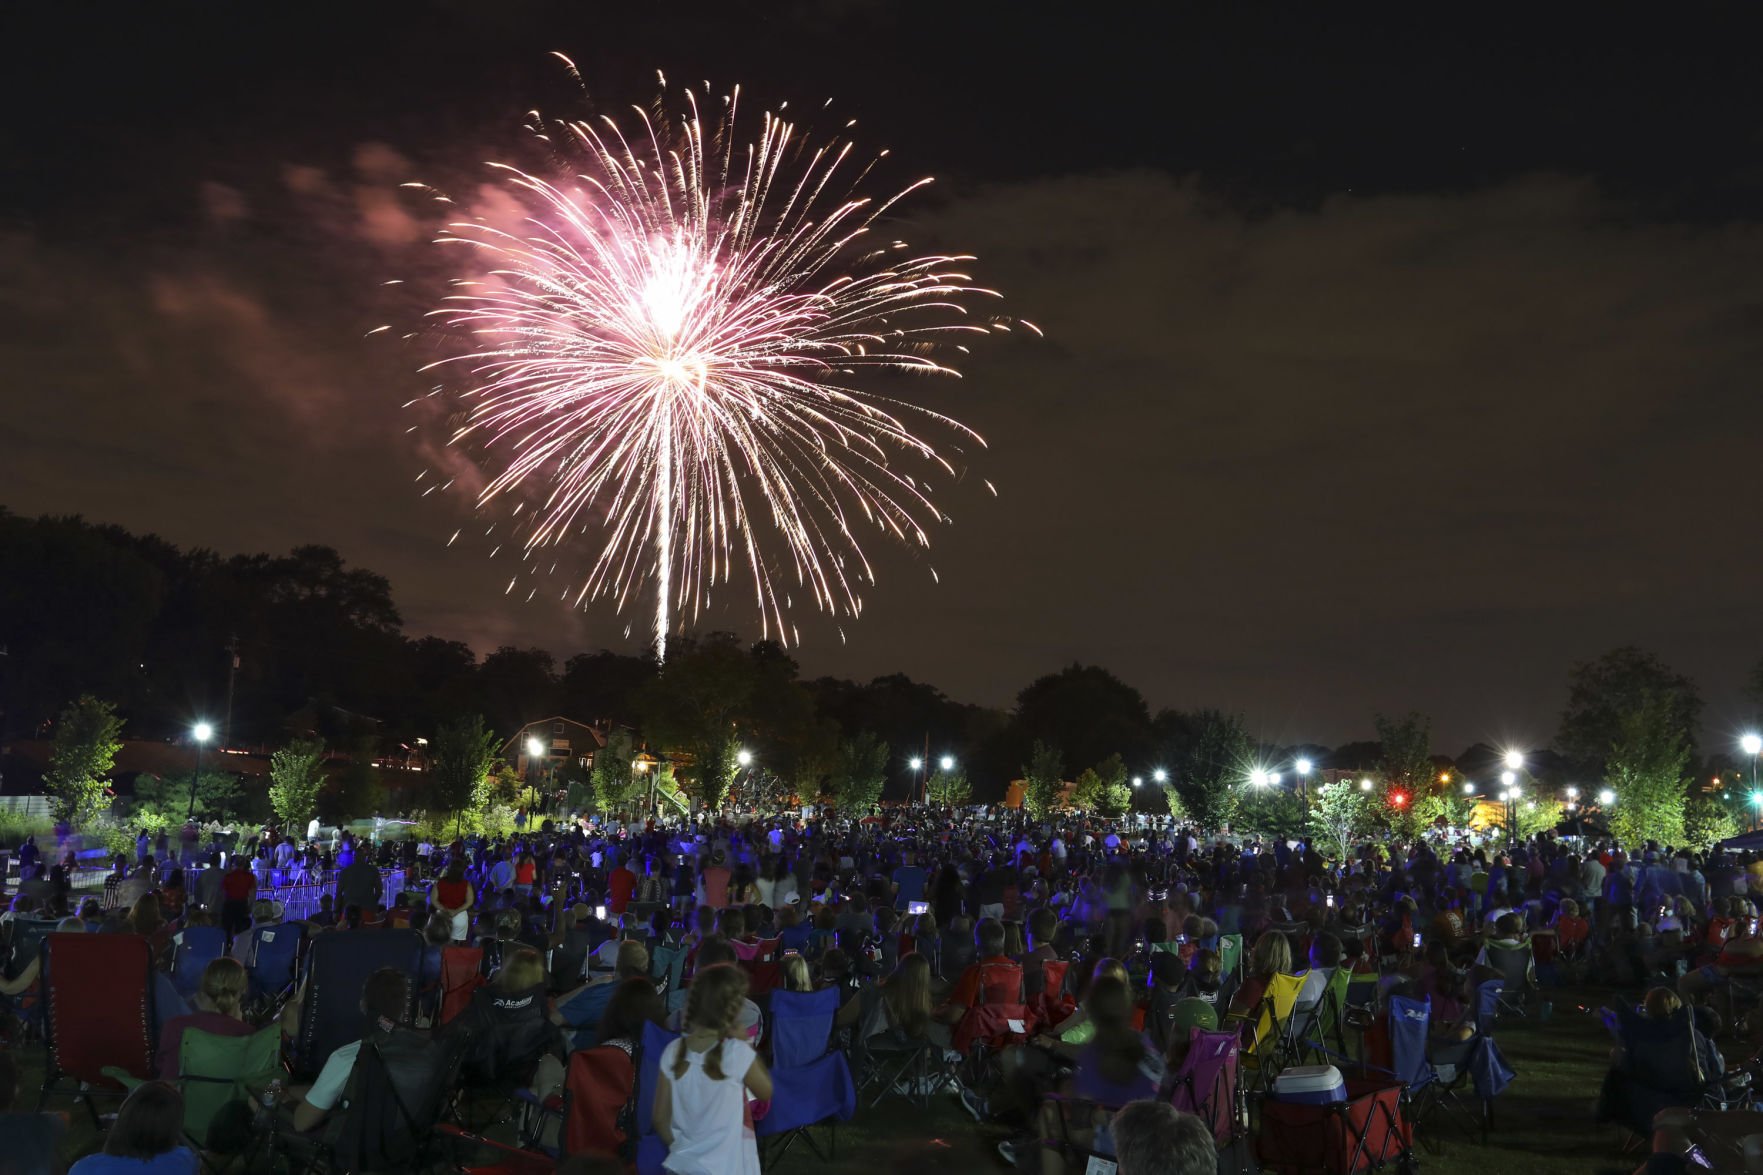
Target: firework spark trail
{"x":660,"y":351}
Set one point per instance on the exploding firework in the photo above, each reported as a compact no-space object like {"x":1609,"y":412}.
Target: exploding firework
{"x":664,"y":350}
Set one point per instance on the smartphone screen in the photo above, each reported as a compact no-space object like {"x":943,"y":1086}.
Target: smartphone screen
{"x":918,"y":907}
{"x":1331,"y":901}
{"x":1417,"y":940}
{"x":600,"y":913}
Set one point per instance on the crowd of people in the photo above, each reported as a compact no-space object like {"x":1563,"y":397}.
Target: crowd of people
{"x":1122,"y":940}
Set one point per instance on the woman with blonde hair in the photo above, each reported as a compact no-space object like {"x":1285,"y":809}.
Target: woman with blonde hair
{"x":1272,"y":956}
{"x":700,"y":1103}
{"x":794,"y":973}
{"x":220,"y":1011}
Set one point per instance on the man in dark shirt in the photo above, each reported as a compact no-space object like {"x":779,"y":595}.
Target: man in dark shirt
{"x":909,"y":882}
{"x":237,"y":888}
{"x":359,"y":884}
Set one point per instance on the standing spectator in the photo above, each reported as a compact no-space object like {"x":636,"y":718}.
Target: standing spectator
{"x":621,"y":883}
{"x":359,"y":883}
{"x":210,"y":884}
{"x":700,"y":1103}
{"x":909,"y":881}
{"x":713,"y":882}
{"x":237,"y":889}
{"x":453,"y":897}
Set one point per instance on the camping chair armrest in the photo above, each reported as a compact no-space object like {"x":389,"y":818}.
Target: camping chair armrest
{"x":122,"y":1077}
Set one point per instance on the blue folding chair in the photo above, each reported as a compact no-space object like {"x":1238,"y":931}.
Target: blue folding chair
{"x":802,"y":1097}
{"x":810,"y":1086}
{"x":668,"y":963}
{"x":651,"y":1151}
{"x":272,"y":951}
{"x":337,"y":967}
{"x":802,"y":1025}
{"x":197,"y":946}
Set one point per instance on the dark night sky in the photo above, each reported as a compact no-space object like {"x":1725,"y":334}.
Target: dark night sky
{"x":1392,"y":364}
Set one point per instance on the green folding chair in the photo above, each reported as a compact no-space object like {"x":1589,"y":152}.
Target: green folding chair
{"x":1230,"y":953}
{"x":214,"y":1071}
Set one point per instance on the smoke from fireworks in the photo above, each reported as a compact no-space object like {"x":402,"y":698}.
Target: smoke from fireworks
{"x":662,"y":353}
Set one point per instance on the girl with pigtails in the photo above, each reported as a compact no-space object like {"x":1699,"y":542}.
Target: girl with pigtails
{"x":701,"y":1102}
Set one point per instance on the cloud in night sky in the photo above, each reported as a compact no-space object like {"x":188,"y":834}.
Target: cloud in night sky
{"x":1393,"y":451}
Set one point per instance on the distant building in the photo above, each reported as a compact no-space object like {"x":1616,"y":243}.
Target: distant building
{"x":565,"y":741}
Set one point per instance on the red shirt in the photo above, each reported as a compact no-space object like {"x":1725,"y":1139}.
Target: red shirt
{"x":238,"y":885}
{"x":620,"y":884}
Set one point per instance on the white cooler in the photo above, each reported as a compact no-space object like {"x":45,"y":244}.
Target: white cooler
{"x":1312,"y":1085}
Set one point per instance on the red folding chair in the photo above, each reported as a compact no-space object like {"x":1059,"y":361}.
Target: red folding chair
{"x":1055,"y":1005}
{"x":461,"y":969}
{"x":597,"y":1089}
{"x":97,"y":1012}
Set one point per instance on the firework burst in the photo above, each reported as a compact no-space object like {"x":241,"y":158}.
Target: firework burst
{"x":665,"y":351}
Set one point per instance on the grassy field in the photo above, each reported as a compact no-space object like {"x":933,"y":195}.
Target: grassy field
{"x":1543,"y":1123}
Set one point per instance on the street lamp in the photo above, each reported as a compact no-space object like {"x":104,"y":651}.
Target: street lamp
{"x":1468,"y":788}
{"x":534,"y":748}
{"x":917,"y":766}
{"x":1365,"y":785}
{"x":1258,"y":777}
{"x":947,"y":762}
{"x":744,"y":757}
{"x":1752,"y":744}
{"x":1515,"y":760}
{"x":1606,"y":797}
{"x":203,"y":733}
{"x":1138,"y":781}
{"x":1160,"y":775}
{"x":1302,"y":767}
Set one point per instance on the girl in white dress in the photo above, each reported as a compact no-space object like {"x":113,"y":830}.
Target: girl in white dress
{"x":701,"y":1102}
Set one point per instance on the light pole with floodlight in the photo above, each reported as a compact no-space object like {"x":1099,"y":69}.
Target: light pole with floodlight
{"x":1752,"y":745}
{"x":203,"y":732}
{"x":1303,"y":766}
{"x":917,"y":766}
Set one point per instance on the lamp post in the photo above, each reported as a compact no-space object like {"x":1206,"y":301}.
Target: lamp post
{"x":202,"y":732}
{"x":534,"y":748}
{"x":945,"y":764}
{"x":917,"y":765}
{"x":1303,"y":766}
{"x":1573,"y":806}
{"x":1510,"y":796}
{"x":1752,"y":745}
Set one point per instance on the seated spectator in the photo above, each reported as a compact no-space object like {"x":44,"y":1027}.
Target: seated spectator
{"x":579,"y":1011}
{"x":793,"y":974}
{"x":1117,"y":1066}
{"x":384,"y":998}
{"x":1272,"y":956}
{"x":147,"y":1138}
{"x":899,"y":1007}
{"x":999,"y":974}
{"x":1154,"y":1138}
{"x":218,"y":1009}
{"x":32,"y":1140}
{"x":714,"y":953}
{"x":1205,"y":977}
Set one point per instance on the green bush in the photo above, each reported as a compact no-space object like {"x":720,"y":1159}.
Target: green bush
{"x":15,"y":826}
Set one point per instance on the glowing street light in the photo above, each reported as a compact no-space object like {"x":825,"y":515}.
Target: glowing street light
{"x":744,"y":757}
{"x":947,"y":762}
{"x":202,"y":732}
{"x":1508,"y":778}
{"x":1515,"y":760}
{"x":1258,"y":777}
{"x":1606,"y":797}
{"x":1468,"y":788}
{"x":1572,"y":792}
{"x":1752,"y":744}
{"x":916,"y":763}
{"x":1160,"y":775}
{"x":1365,"y":785}
{"x":1303,"y":766}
